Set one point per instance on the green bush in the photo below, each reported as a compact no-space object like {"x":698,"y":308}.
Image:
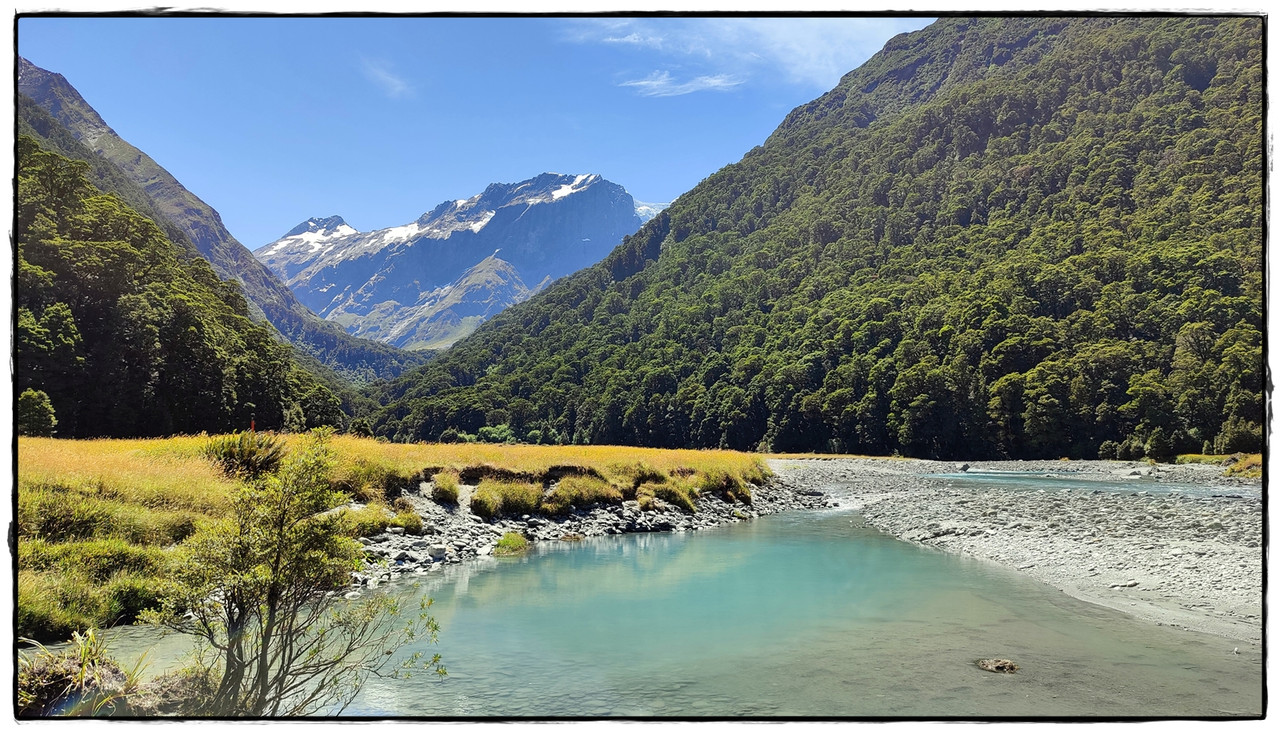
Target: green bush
{"x":1109,"y":450}
{"x":500,"y":434}
{"x":370,"y":520}
{"x":246,"y":454}
{"x":511,"y":544}
{"x":409,"y":520}
{"x":1159,"y":446}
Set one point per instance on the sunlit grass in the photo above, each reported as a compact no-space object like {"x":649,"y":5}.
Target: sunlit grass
{"x":96,"y":517}
{"x":1201,"y":458}
{"x":152,"y":473}
{"x":1250,"y":466}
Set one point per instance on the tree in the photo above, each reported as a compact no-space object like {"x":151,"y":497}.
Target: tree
{"x":253,"y":590}
{"x":35,"y":414}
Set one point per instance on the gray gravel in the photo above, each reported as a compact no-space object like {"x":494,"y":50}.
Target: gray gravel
{"x":1187,"y":558}
{"x":453,"y":534}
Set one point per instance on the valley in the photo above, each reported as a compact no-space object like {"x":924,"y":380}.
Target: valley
{"x":946,"y":398}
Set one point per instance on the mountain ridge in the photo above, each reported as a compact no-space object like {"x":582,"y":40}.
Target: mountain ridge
{"x":374,"y":283}
{"x":202,"y":227}
{"x":1017,"y":237}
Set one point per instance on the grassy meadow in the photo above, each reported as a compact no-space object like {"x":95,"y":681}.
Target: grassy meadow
{"x":96,"y":519}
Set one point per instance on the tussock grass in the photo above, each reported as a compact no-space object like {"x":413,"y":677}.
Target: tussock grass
{"x":445,"y":488}
{"x":1246,"y":465}
{"x":496,"y":497}
{"x":1250,"y":466}
{"x":1201,"y":458}
{"x":577,"y":491}
{"x":511,"y":544}
{"x":535,"y":462}
{"x":95,"y":517}
{"x":152,"y":473}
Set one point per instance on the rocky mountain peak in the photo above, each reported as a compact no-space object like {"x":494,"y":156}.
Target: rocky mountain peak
{"x":332,"y":224}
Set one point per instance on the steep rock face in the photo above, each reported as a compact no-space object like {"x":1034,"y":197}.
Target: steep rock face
{"x":500,"y":245}
{"x":445,"y":314}
{"x":183,"y":212}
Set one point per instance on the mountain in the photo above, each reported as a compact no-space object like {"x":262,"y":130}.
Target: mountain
{"x":427,"y":283}
{"x":1001,"y":236}
{"x":119,"y":332}
{"x":647,"y":211}
{"x":123,"y":169}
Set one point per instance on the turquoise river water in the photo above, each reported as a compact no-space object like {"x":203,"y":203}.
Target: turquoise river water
{"x":798,"y":614}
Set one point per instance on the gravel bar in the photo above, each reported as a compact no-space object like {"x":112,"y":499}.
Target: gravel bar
{"x":1178,"y":545}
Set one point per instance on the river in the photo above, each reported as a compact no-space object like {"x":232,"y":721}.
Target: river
{"x":798,"y":614}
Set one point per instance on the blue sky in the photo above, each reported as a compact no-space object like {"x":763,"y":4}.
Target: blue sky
{"x":275,"y":120}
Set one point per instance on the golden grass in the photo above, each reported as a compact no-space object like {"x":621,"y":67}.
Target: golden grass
{"x":1201,"y":458}
{"x":1250,"y":466}
{"x":534,"y":461}
{"x":153,"y":473}
{"x":94,"y":516}
{"x":828,"y":455}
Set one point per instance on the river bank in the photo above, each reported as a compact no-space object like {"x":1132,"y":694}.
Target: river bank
{"x":453,"y":534}
{"x":1186,"y":559}
{"x":1182,"y":558}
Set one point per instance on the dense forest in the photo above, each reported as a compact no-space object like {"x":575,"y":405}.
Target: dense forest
{"x":1000,"y":237}
{"x":119,"y":332}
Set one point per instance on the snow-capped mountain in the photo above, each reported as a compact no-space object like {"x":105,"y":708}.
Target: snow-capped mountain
{"x":647,"y":211}
{"x":423,"y":284}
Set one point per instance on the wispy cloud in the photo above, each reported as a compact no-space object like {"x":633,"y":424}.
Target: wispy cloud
{"x":813,"y":52}
{"x":381,"y":75}
{"x":660,"y":83}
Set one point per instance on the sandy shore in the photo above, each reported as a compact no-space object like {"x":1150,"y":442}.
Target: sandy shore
{"x":1186,"y":558}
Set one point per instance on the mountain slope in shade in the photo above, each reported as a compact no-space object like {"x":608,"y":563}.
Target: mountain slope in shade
{"x":1020,"y":237}
{"x":178,"y":208}
{"x":496,"y":247}
{"x":445,"y":314}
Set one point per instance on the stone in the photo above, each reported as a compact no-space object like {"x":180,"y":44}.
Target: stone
{"x":998,"y":665}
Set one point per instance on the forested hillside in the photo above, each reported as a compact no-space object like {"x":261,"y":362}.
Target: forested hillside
{"x":1001,"y":236}
{"x":120,"y":333}
{"x":119,"y":167}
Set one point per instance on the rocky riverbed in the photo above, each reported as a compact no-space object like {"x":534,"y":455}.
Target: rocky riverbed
{"x":453,"y":534}
{"x":1188,"y":556}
